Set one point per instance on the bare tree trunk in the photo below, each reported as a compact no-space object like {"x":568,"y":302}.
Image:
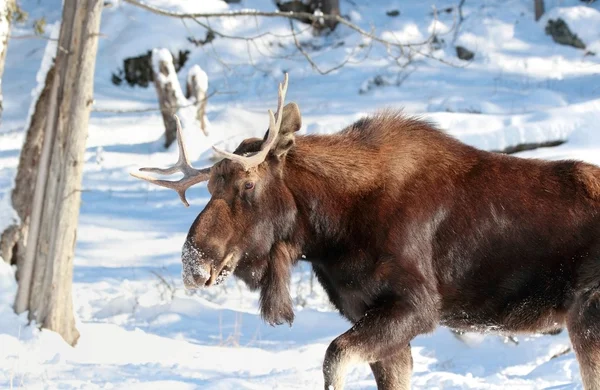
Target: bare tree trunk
{"x":539,"y":9}
{"x":196,"y":87}
{"x":7,"y":8}
{"x":168,"y":89}
{"x":46,"y":277}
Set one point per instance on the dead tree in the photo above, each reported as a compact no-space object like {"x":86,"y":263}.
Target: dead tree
{"x":7,"y":8}
{"x":168,"y":89}
{"x":45,"y":278}
{"x":196,"y":87}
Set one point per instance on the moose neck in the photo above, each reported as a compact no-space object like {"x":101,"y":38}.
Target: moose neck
{"x":329,"y":180}
{"x":336,"y":179}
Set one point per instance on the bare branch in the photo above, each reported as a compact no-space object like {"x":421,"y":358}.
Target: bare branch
{"x":152,"y":109}
{"x":267,"y":14}
{"x":308,"y":57}
{"x":461,"y":18}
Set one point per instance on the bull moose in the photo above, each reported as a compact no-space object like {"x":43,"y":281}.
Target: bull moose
{"x":406,"y":228}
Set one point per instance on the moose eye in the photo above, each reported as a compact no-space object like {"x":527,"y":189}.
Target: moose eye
{"x":249,"y":185}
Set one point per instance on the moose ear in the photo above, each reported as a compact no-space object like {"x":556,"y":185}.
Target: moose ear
{"x":291,"y":122}
{"x":248,"y":145}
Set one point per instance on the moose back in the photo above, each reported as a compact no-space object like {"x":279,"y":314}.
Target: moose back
{"x":406,"y":229}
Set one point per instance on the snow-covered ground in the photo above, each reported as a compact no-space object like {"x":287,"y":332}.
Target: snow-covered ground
{"x":140,"y":329}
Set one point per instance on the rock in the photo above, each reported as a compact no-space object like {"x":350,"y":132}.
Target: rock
{"x":561,"y":34}
{"x":464,"y":54}
{"x":393,"y":13}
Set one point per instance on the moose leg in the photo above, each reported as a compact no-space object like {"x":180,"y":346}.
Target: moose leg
{"x":377,"y":337}
{"x":393,"y":373}
{"x":583,"y":323}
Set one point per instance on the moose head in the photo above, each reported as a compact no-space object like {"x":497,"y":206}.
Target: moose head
{"x":250,"y":208}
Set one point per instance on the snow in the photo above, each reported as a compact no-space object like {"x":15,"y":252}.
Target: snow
{"x":140,"y":327}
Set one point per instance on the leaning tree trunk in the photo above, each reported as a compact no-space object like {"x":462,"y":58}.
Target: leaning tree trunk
{"x":7,"y":8}
{"x":47,"y":270}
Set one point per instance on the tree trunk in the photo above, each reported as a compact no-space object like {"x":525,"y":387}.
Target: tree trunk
{"x":46,"y":276}
{"x":13,"y":240}
{"x":168,"y":89}
{"x":196,"y":87}
{"x":7,"y":8}
{"x":539,"y":9}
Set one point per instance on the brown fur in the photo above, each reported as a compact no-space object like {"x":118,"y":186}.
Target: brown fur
{"x":407,"y":229}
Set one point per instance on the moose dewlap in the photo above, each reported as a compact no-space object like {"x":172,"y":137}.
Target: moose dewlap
{"x":407,"y":229}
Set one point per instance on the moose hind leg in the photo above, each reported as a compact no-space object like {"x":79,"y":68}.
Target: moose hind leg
{"x":394,"y":373}
{"x":583,"y":323}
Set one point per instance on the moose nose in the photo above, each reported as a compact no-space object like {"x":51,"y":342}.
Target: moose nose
{"x":195,"y":275}
{"x":196,"y":270}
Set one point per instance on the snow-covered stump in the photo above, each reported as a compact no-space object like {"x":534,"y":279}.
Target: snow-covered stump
{"x":196,"y":87}
{"x":168,"y":89}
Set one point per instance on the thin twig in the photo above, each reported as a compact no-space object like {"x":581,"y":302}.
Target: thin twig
{"x":309,"y":59}
{"x":29,"y":36}
{"x":153,"y":109}
{"x":461,"y":18}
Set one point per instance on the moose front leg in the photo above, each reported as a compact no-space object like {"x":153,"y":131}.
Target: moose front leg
{"x":381,"y":338}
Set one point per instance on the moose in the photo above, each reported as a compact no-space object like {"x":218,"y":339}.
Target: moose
{"x":406,"y":229}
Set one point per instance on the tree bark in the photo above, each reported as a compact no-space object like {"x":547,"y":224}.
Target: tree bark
{"x":7,"y":8}
{"x":46,"y":277}
{"x":539,"y":9}
{"x":13,"y":240}
{"x":168,"y":89}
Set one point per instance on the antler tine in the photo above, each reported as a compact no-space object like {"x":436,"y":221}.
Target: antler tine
{"x":274,"y":125}
{"x":191,"y":175}
{"x":183,"y":162}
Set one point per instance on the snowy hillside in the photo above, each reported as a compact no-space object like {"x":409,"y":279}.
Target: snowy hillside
{"x":139,"y":327}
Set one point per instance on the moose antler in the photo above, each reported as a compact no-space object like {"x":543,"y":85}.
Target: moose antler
{"x":274,"y":125}
{"x":191,"y":175}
